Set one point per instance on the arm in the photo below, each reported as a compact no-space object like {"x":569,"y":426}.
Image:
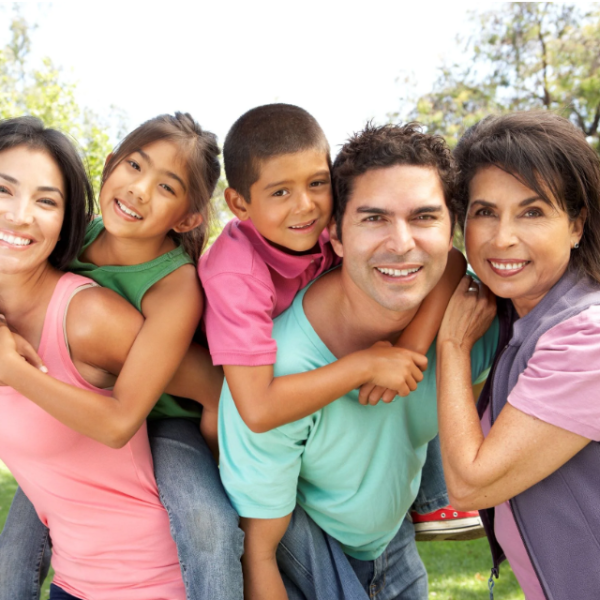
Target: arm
{"x":262,"y":580}
{"x":423,"y":328}
{"x":108,"y":336}
{"x":519,"y":451}
{"x":265,"y":402}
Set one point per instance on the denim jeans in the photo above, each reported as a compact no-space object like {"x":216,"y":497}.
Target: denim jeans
{"x":313,"y":566}
{"x":203,"y":523}
{"x":432,"y":494}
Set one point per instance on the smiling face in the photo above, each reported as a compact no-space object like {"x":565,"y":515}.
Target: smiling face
{"x":32,"y":208}
{"x":396,"y":235}
{"x":145,"y":196}
{"x":291,"y":202}
{"x":517,"y":243}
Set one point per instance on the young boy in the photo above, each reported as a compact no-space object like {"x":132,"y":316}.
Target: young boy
{"x":277,"y":165}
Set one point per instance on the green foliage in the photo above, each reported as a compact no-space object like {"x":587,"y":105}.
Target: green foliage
{"x":520,"y":56}
{"x":44,"y":92}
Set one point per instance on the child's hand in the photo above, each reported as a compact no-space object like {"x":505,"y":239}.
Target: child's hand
{"x":12,"y":344}
{"x":372,"y":394}
{"x":395,"y":371}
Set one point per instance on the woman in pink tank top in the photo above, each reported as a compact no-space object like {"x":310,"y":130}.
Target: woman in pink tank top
{"x":109,"y":531}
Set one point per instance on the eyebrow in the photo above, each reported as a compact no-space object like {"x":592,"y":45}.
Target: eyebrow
{"x":525,"y":202}
{"x":324,"y":172}
{"x":168,"y":173}
{"x":434,"y":208}
{"x":41,"y":188}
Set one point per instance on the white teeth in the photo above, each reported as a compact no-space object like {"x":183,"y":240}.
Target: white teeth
{"x":302,"y":226}
{"x":15,"y":241}
{"x":508,"y":266}
{"x":127,"y":211}
{"x":398,"y":272}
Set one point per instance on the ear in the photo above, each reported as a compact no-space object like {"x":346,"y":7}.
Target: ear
{"x":577,"y":226}
{"x":189,"y":222}
{"x":237,"y":204}
{"x":335,"y":240}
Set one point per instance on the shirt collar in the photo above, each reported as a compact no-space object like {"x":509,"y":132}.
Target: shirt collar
{"x":287,"y":265}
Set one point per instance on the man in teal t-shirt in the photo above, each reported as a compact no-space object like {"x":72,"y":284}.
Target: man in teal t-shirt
{"x":353,"y":470}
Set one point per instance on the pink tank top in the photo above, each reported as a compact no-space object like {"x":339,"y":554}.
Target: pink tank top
{"x":110,"y":533}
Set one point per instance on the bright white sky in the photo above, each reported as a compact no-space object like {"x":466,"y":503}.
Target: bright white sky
{"x":216,"y":59}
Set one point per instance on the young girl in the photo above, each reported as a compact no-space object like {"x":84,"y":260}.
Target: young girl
{"x":154,"y":201}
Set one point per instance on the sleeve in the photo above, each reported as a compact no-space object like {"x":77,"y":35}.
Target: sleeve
{"x":483,"y":353}
{"x":238,"y":320}
{"x":260,"y":470}
{"x":561,"y":384}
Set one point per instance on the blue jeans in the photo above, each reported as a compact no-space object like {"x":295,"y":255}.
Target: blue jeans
{"x":432,"y":494}
{"x":203,"y":523}
{"x":313,"y":566}
{"x":57,"y":593}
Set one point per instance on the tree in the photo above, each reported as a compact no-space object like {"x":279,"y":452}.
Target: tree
{"x":521,"y":56}
{"x":43,"y":91}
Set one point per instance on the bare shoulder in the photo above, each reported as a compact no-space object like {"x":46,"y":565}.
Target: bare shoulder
{"x":180,"y":290}
{"x":99,"y":318}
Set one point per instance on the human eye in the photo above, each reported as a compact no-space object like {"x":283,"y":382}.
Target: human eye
{"x":533,"y":212}
{"x":133,"y":164}
{"x":48,"y":202}
{"x":373,"y":219}
{"x":483,"y":212}
{"x":4,"y":189}
{"x":167,"y":188}
{"x":280,"y":193}
{"x":426,"y":217}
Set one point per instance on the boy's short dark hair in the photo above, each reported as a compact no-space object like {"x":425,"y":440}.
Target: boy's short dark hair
{"x":377,"y":147}
{"x":262,"y":133}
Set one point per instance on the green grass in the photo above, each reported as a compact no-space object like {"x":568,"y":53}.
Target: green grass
{"x":457,"y":570}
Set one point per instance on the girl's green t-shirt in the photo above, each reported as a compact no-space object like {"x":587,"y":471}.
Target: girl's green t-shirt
{"x":132,"y":282}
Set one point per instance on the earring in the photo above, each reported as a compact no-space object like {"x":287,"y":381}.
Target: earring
{"x":576,"y":245}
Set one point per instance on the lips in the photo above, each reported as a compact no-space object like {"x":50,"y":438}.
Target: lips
{"x":127,"y":211}
{"x":398,"y":272}
{"x":507,"y":267}
{"x":12,"y":239}
{"x":303,"y":226}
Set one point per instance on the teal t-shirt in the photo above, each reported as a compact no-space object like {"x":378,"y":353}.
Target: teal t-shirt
{"x":132,"y":282}
{"x":355,"y":469}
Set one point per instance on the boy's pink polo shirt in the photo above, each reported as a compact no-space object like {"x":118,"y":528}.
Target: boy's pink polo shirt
{"x":248,"y":283}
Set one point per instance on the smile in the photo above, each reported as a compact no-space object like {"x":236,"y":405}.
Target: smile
{"x":398,"y":272}
{"x":128,"y":211}
{"x":514,"y":266}
{"x":304,"y":226}
{"x":14,"y":240}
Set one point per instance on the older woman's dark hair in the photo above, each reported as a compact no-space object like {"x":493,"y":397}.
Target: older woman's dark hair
{"x":79,"y":196}
{"x":549,"y":155}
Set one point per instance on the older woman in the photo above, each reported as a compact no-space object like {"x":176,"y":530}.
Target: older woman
{"x":529,"y":195}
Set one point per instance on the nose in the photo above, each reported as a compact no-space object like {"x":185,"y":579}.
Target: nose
{"x":504,"y":235}
{"x":21,"y":213}
{"x":305,"y":202}
{"x":140,"y":188}
{"x":400,"y":239}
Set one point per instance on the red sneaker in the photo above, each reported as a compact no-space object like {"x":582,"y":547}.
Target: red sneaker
{"x":447,"y":524}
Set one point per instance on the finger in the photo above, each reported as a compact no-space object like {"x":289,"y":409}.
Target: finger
{"x":411,"y":383}
{"x":365,"y":391}
{"x":403,"y":391}
{"x":388,"y":396}
{"x":419,"y":359}
{"x":375,"y":395}
{"x":26,"y":350}
{"x":416,"y":373}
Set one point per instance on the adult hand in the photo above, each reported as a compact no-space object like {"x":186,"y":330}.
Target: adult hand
{"x":469,"y":315}
{"x":394,"y":371}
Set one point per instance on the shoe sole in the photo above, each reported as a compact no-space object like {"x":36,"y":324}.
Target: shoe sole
{"x":469,"y":529}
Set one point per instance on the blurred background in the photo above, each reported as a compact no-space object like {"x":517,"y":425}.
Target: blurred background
{"x":95,"y":70}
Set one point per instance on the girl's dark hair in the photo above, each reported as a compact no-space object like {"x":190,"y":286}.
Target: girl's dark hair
{"x":79,"y":197}
{"x":550,"y":156}
{"x":203,"y":168}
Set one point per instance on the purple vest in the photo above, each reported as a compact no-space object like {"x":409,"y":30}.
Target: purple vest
{"x":559,"y":517}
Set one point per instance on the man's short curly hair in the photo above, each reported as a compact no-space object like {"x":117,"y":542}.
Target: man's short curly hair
{"x":378,"y":147}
